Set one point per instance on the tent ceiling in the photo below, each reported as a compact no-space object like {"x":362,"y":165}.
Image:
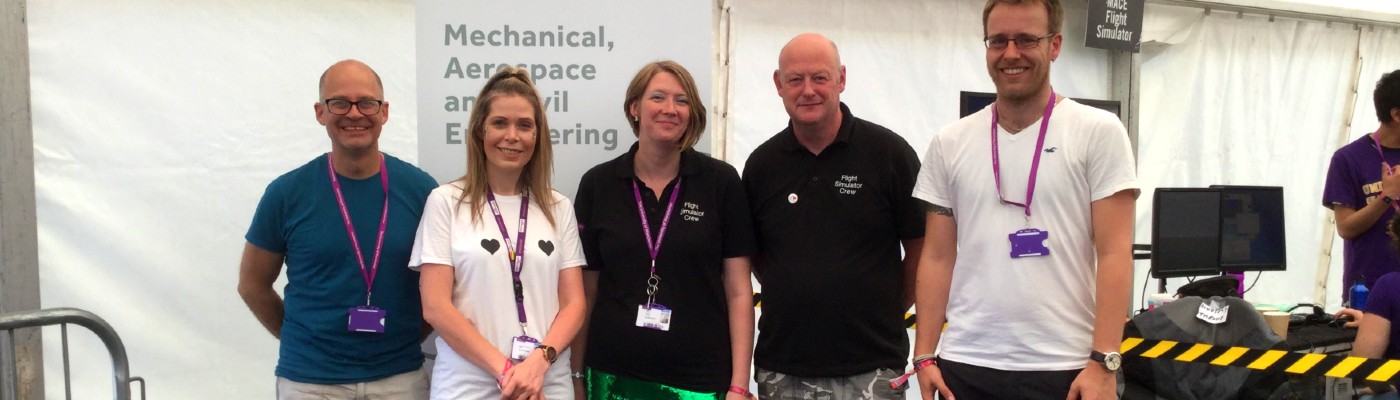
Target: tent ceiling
{"x":1383,"y":12}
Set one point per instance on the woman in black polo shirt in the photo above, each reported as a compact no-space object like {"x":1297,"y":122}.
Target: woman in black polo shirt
{"x":667,"y":235}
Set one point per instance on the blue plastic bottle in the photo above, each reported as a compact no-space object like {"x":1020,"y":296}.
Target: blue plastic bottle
{"x":1359,"y":293}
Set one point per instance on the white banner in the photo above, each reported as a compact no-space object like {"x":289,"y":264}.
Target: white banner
{"x":581,"y":55}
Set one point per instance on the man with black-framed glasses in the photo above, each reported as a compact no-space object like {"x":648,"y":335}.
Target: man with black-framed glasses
{"x":343,"y":224}
{"x":1027,"y":248}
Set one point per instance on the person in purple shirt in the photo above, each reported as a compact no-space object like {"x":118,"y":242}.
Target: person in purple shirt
{"x":1363,"y":191}
{"x":1373,"y":338}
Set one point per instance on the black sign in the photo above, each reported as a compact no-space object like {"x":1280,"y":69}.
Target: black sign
{"x":1114,"y":25}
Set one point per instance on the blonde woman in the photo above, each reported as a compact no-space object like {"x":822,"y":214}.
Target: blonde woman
{"x":499,"y":254}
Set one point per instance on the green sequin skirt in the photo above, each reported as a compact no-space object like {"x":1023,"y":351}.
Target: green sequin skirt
{"x":605,"y":386}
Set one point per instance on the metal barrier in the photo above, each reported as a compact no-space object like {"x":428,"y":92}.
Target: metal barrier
{"x":121,"y":376}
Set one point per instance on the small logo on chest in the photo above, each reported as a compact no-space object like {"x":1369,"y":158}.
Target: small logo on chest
{"x":691,"y":212}
{"x":848,"y":184}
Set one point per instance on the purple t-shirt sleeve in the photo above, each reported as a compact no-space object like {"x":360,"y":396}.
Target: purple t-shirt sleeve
{"x":1341,"y":186}
{"x":1382,"y":302}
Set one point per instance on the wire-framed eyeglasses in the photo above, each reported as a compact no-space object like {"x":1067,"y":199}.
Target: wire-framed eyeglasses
{"x":1023,"y":42}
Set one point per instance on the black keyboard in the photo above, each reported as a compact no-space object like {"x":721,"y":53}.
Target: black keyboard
{"x":1318,"y":337}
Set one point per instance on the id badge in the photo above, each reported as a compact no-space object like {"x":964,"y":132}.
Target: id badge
{"x":521,"y":346}
{"x":1029,"y":243}
{"x":656,"y":317}
{"x":366,"y":319}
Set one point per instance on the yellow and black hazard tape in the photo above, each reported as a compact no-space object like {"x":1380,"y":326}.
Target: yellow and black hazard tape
{"x":1257,"y":359}
{"x":1263,"y":360}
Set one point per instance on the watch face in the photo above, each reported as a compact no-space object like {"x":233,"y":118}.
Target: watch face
{"x":550,"y":354}
{"x":1112,"y":361}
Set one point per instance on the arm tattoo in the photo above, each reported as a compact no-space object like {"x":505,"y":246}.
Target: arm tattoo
{"x":936,"y":209}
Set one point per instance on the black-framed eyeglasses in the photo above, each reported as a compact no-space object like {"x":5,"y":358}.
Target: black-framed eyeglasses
{"x":342,"y":106}
{"x":1023,"y":42}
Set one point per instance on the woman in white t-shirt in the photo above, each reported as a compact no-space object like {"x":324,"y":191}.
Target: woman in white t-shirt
{"x":499,"y":254}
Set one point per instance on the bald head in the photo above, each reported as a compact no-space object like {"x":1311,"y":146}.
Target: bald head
{"x":351,"y":67}
{"x":809,"y":46}
{"x":810,"y":80}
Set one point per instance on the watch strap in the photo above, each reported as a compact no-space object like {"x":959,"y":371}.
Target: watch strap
{"x":1102,"y":359}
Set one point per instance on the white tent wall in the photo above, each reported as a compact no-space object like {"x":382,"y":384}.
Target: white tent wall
{"x":1242,"y":100}
{"x":157,"y":124}
{"x":906,"y":61}
{"x":1378,"y":55}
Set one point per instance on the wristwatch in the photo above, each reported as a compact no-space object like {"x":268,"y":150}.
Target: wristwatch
{"x":1110,"y":360}
{"x":550,"y":354}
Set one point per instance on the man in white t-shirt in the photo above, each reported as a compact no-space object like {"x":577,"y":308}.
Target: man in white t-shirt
{"x":1027,"y":251}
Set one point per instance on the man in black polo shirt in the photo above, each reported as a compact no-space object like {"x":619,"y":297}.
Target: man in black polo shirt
{"x":831,"y":203}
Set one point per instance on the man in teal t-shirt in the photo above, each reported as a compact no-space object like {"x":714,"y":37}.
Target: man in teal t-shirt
{"x":352,"y":322}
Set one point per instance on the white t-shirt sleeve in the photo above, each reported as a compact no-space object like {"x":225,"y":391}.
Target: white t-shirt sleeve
{"x":1111,"y":168}
{"x":566,"y":229}
{"x":932,"y":183}
{"x":432,"y":244}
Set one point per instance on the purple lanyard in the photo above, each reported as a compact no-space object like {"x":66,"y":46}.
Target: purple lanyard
{"x":516,"y":252}
{"x":1035,"y":162}
{"x":654,"y":246}
{"x":1385,"y":164}
{"x":368,"y":274}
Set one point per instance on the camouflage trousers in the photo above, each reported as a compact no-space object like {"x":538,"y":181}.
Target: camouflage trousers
{"x":870,"y":385}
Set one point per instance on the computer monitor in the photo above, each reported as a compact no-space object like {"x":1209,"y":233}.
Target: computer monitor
{"x":1185,"y":232}
{"x":971,"y":102}
{"x":1251,"y":229}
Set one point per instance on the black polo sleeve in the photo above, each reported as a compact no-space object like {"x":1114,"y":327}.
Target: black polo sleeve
{"x":583,"y":211}
{"x":909,"y":216}
{"x":739,"y":240}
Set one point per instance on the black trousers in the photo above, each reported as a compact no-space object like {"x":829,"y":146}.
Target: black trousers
{"x":973,"y":382}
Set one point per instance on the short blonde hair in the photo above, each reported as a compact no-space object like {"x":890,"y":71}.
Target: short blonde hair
{"x":697,"y":107}
{"x":1053,"y":9}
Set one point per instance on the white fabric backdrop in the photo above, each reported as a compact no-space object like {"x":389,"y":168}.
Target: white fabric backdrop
{"x":158,"y":124}
{"x":905,"y":62}
{"x":1379,"y":55}
{"x":1246,"y":101}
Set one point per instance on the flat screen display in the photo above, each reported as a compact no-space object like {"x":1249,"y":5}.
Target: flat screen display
{"x":1185,"y":232}
{"x":1251,"y":229}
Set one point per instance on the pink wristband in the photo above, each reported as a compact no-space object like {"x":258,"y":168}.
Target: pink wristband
{"x":501,"y":381}
{"x":897,"y":382}
{"x":923,"y":364}
{"x":740,"y":391}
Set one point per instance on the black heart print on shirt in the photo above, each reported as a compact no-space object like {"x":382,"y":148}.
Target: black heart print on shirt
{"x":490,"y":245}
{"x":547,"y":247}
